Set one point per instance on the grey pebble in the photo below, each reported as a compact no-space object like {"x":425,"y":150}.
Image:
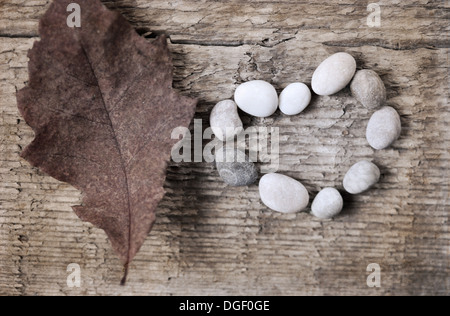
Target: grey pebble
{"x":368,"y":88}
{"x":361,"y":177}
{"x":235,"y":167}
{"x":384,"y":128}
{"x":225,"y":120}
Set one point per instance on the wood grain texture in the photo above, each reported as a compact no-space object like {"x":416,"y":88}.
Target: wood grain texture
{"x":211,"y":239}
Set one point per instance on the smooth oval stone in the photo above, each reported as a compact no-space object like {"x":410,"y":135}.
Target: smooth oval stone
{"x":327,"y":204}
{"x":283,"y":194}
{"x":368,"y":88}
{"x":257,"y":98}
{"x":334,"y":74}
{"x":235,"y":167}
{"x":295,"y":98}
{"x":384,"y":128}
{"x":361,"y":177}
{"x":225,"y":121}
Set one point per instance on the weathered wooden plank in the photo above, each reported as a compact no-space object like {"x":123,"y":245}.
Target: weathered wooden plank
{"x":404,"y":25}
{"x":211,"y":239}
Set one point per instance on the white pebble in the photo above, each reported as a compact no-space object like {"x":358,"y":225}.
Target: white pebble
{"x":334,"y":74}
{"x":327,"y":204}
{"x":295,"y":98}
{"x":361,"y":177}
{"x":225,"y":120}
{"x":384,"y":128}
{"x":283,"y":194}
{"x":257,"y":98}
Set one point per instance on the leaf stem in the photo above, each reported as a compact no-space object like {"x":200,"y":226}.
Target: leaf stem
{"x":125,"y":275}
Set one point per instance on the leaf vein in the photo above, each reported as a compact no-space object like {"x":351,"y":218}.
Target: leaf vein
{"x":114,"y":136}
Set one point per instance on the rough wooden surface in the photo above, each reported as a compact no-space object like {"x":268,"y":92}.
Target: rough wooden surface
{"x":212,"y":239}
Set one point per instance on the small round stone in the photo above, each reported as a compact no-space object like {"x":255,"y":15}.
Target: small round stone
{"x":361,"y":177}
{"x":384,"y":128}
{"x":368,"y":88}
{"x":327,"y":204}
{"x":257,"y":98}
{"x":225,"y":121}
{"x":334,"y":74}
{"x":235,"y":167}
{"x":283,"y":194}
{"x":295,"y":98}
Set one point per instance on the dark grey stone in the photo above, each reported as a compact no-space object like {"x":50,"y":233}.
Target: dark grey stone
{"x":235,"y":167}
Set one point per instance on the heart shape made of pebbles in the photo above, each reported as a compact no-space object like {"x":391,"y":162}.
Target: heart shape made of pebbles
{"x":260,"y":99}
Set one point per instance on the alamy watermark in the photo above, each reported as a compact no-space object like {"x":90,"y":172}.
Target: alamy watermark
{"x":262,"y":144}
{"x":374,"y":279}
{"x":374,"y":18}
{"x":74,"y":278}
{"x":74,"y":18}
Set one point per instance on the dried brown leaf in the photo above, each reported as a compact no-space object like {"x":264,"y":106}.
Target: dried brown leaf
{"x":101,"y":104}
